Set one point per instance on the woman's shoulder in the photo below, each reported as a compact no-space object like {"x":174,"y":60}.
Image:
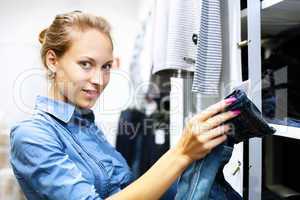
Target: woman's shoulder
{"x":36,"y":126}
{"x":32,"y":140}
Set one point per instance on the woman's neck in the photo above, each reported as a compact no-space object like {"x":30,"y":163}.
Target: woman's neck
{"x":55,"y":94}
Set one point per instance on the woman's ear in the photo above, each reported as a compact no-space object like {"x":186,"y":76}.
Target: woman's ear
{"x":116,"y":63}
{"x":51,"y":61}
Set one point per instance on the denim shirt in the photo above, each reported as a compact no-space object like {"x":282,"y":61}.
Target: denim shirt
{"x":59,"y":153}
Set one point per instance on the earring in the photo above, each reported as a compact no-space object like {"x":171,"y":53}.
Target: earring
{"x":51,"y":74}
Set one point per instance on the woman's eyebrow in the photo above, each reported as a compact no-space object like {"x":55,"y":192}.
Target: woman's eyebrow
{"x":94,"y":61}
{"x":89,"y":58}
{"x":110,"y":61}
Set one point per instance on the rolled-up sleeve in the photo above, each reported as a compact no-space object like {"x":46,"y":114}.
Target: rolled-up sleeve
{"x":37,"y":156}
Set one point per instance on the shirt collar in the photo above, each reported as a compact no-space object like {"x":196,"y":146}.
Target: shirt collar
{"x":62,"y":110}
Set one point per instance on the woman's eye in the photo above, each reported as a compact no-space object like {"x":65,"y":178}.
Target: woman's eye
{"x":106,"y":67}
{"x":85,"y":65}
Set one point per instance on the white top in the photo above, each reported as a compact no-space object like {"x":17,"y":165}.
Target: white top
{"x":175,"y":24}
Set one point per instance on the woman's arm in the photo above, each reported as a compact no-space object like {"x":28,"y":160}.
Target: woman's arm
{"x":38,"y":158}
{"x":156,"y":180}
{"x":201,"y":134}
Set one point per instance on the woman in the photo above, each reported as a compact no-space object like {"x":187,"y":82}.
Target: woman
{"x":59,"y":153}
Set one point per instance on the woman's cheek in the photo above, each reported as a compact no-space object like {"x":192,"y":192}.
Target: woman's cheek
{"x":71,"y":89}
{"x":106,"y":79}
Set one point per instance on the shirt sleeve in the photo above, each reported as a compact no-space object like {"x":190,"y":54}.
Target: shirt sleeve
{"x":37,"y":155}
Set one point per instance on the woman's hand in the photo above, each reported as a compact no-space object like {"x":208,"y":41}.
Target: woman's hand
{"x":202,"y":133}
{"x":205,"y":131}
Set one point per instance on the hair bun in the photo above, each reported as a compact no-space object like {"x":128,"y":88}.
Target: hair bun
{"x":42,"y":36}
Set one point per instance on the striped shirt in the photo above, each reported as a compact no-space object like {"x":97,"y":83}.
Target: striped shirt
{"x":209,"y":49}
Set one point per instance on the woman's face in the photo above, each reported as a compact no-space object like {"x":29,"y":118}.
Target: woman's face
{"x":83,"y":71}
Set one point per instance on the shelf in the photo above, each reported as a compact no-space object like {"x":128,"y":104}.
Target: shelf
{"x":283,"y":191}
{"x":269,"y":3}
{"x":276,"y":16}
{"x":264,"y":5}
{"x":287,"y":131}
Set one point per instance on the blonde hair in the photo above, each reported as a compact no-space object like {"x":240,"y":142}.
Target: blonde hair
{"x":58,"y":36}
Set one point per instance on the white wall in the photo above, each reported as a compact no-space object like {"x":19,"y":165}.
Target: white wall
{"x":21,"y":73}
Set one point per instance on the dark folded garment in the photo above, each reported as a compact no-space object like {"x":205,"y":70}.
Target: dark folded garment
{"x":250,"y":122}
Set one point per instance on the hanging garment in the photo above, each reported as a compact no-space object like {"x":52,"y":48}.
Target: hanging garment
{"x":160,"y":34}
{"x":182,"y":20}
{"x":129,"y":138}
{"x":209,"y":49}
{"x":141,"y":61}
{"x":140,"y":139}
{"x":143,"y":139}
{"x":230,"y":77}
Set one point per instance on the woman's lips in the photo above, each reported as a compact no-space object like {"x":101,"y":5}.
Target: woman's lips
{"x":91,"y":94}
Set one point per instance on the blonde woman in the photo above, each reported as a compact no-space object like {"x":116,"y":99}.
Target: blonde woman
{"x":59,"y":153}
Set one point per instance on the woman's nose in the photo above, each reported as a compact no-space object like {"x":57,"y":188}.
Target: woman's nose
{"x":96,"y":76}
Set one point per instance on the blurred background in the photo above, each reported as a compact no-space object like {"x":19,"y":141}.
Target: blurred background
{"x":23,"y":76}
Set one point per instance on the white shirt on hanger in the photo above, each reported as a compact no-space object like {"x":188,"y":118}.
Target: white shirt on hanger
{"x":175,"y":23}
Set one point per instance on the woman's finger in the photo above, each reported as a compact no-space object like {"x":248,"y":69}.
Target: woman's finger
{"x":214,"y":109}
{"x":215,"y":142}
{"x":219,"y":119}
{"x":213,"y":133}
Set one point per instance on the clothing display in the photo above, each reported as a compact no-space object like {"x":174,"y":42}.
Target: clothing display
{"x":280,"y":79}
{"x":209,"y":49}
{"x":60,"y":153}
{"x":187,"y":35}
{"x":280,"y":105}
{"x":230,"y":77}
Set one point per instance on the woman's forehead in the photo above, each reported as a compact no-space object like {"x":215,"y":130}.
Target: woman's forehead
{"x":91,"y":43}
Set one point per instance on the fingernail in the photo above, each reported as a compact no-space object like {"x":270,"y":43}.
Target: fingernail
{"x":230,"y":100}
{"x":236,"y":112}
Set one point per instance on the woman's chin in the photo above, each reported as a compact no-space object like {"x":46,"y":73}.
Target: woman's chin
{"x":86,"y":104}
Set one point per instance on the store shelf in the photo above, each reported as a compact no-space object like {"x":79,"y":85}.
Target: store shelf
{"x":264,"y":5}
{"x":287,"y":131}
{"x":276,"y":16}
{"x":283,"y":191}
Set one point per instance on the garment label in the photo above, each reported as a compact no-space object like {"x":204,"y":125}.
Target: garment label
{"x":159,"y":136}
{"x":189,"y":60}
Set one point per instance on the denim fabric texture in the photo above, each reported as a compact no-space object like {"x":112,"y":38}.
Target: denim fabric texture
{"x":250,"y":122}
{"x":222,"y":190}
{"x":202,"y":181}
{"x":59,"y":153}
